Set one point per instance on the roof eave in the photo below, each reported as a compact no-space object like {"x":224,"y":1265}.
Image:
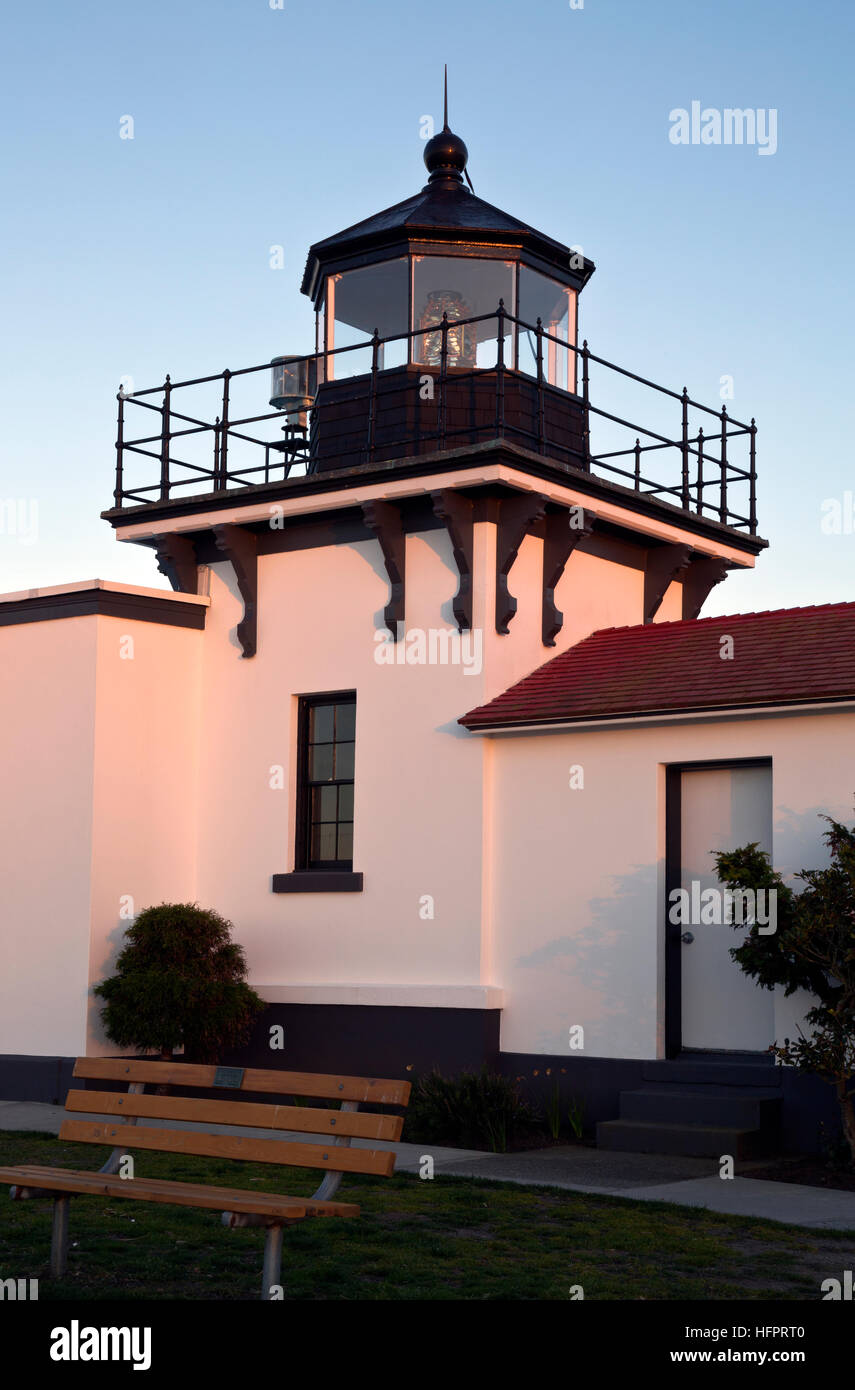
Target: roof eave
{"x":689,"y":712}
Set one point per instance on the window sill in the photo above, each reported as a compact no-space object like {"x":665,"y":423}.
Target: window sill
{"x":317,"y":881}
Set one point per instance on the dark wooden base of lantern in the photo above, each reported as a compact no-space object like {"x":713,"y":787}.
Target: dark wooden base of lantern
{"x":410,"y":410}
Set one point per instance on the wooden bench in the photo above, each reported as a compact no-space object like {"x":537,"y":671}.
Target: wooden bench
{"x":240,"y":1208}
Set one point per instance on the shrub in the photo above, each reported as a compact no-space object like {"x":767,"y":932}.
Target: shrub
{"x":180,"y":980}
{"x":474,"y":1110}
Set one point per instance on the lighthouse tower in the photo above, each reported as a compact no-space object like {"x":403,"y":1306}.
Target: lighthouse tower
{"x":365,"y":540}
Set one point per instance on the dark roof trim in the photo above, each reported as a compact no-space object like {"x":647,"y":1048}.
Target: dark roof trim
{"x":97,"y":602}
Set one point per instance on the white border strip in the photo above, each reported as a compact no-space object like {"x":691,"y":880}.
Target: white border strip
{"x":390,"y":996}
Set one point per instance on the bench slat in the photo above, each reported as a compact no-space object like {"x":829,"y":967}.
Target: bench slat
{"x":335,"y":1158}
{"x":49,"y":1177}
{"x":283,"y":1083}
{"x":359,"y":1125}
{"x":266,"y":1204}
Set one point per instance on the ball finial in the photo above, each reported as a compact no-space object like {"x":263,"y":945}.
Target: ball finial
{"x":445,"y":157}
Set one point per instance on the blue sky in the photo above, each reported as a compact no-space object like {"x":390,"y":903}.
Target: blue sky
{"x":256,"y":127}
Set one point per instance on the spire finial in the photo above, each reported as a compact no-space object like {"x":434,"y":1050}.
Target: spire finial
{"x":445,"y":153}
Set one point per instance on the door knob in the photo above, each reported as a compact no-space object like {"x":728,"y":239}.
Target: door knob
{"x":687,"y":938}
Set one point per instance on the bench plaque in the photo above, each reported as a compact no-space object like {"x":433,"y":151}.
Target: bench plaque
{"x":229,"y":1076}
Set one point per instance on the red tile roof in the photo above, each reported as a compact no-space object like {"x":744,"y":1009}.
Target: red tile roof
{"x":787,"y":656}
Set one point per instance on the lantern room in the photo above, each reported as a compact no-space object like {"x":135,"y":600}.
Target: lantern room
{"x":443,"y":327}
{"x":405,"y":299}
{"x":440,"y":284}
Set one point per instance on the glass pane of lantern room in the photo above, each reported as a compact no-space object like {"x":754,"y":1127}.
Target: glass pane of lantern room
{"x":461,"y":287}
{"x":555,"y":305}
{"x":357,"y":302}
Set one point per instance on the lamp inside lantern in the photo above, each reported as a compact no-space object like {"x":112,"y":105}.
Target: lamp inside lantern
{"x":460,"y":340}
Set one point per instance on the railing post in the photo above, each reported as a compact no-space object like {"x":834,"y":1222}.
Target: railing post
{"x":637,"y":464}
{"x":216,"y":453}
{"x":586,"y":418}
{"x":443,"y":365}
{"x":722,"y":505}
{"x":685,"y":449}
{"x":118,"y":495}
{"x":700,"y":502}
{"x":541,"y":442}
{"x":752,"y":507}
{"x":164,"y":442}
{"x":372,"y":398}
{"x":224,"y":432}
{"x":500,"y":370}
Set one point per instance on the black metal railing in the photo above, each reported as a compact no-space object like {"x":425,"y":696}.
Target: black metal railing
{"x":703,"y":473}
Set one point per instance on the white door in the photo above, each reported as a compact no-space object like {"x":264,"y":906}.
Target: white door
{"x":722,"y":1009}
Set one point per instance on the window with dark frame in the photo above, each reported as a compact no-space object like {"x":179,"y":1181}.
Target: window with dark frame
{"x":326,"y":736}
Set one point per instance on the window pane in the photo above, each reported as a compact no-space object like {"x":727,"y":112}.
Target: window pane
{"x":345,"y":721}
{"x":345,"y":840}
{"x":344,"y":760}
{"x":555,"y":304}
{"x":462,"y":287}
{"x":323,"y":803}
{"x":321,"y":762}
{"x":345,"y":802}
{"x":323,"y":841}
{"x":374,"y":296}
{"x":321,"y":724}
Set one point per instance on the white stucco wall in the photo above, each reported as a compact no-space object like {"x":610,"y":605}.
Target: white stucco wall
{"x":47,"y":730}
{"x":418,"y":776}
{"x":145,"y":803}
{"x":423,"y":791}
{"x":98,"y":810}
{"x":579,"y":874}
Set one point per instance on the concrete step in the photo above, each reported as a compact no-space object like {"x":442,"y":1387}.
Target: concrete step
{"x":715,"y":1071}
{"x":728,"y":1106}
{"x":699,"y":1141}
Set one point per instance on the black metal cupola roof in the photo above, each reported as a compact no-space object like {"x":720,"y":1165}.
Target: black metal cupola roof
{"x":444,"y":212}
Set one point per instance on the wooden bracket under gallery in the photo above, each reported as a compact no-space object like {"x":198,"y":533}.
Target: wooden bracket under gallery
{"x":517,"y":514}
{"x":563,"y":531}
{"x":386,"y":521}
{"x":457,"y":513}
{"x":664,"y":564}
{"x":240,"y":546}
{"x":176,"y":559}
{"x":704,"y":572}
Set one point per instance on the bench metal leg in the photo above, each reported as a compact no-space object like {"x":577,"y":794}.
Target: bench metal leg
{"x":272,"y":1272}
{"x":59,"y":1237}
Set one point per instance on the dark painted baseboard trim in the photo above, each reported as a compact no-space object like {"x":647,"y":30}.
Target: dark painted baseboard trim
{"x":390,"y":1040}
{"x":44,"y":1080}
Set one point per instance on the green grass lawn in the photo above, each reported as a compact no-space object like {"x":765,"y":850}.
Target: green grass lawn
{"x":450,"y":1238}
